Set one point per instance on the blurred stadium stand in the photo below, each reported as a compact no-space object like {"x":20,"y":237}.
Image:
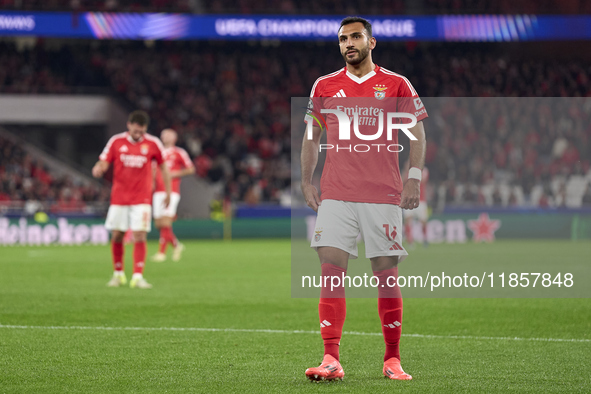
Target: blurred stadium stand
{"x":33,"y":181}
{"x":379,"y":7}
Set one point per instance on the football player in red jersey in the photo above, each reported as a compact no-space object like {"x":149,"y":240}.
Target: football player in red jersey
{"x":131,"y":153}
{"x":361,"y":192}
{"x":179,"y":165}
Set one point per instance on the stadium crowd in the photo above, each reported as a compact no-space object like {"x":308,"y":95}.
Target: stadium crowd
{"x":27,"y":183}
{"x":230,"y":103}
{"x":511,"y":151}
{"x":326,"y":7}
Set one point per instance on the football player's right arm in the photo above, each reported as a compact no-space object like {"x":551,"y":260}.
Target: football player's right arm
{"x":100,"y":168}
{"x":309,"y":160}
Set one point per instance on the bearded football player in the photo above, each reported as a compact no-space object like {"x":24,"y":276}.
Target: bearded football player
{"x":362,"y":193}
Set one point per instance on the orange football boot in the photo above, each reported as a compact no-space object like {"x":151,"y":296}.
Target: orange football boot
{"x":393,"y":370}
{"x":330,"y":369}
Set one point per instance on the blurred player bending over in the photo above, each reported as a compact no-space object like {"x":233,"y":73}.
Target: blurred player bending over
{"x":361,"y":193}
{"x":421,"y":213}
{"x":131,"y":154}
{"x":179,"y":164}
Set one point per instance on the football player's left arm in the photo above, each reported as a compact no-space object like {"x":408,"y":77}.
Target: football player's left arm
{"x":183,"y":172}
{"x":167,"y":182}
{"x":411,"y":191}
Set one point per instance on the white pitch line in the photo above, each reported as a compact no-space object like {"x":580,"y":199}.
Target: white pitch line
{"x":265,"y":331}
{"x":497,"y":338}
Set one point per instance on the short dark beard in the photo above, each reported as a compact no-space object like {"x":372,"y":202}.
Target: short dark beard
{"x":362,"y":56}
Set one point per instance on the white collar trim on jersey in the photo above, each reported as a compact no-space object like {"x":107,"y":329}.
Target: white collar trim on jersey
{"x":132,"y":140}
{"x":363,"y":78}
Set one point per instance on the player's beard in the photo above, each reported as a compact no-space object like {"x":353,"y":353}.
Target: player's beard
{"x":361,"y":56}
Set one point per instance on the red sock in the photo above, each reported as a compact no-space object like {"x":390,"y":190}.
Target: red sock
{"x":332,"y":310}
{"x":139,"y":257}
{"x":166,"y":236}
{"x":117,"y":252}
{"x":163,"y":239}
{"x":390,"y":311}
{"x":170,"y":236}
{"x":173,"y":239}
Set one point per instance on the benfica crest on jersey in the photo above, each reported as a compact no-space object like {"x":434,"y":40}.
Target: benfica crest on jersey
{"x":144,"y":149}
{"x":380,"y":91}
{"x":317,"y":236}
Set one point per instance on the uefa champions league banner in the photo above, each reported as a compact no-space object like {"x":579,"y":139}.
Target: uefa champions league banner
{"x":150,"y":26}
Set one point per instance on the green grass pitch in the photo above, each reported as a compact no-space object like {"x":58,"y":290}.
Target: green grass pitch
{"x":245,"y":285}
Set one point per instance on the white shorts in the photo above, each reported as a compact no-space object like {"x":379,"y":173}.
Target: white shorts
{"x":420,"y":213}
{"x":129,"y":217}
{"x":158,"y":205}
{"x":339,"y":223}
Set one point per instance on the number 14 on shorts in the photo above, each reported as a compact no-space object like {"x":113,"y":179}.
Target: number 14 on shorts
{"x":392,"y":236}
